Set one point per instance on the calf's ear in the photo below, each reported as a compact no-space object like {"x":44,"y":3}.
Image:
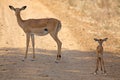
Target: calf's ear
{"x":24,"y":7}
{"x":95,"y":39}
{"x":11,"y":7}
{"x":105,"y":39}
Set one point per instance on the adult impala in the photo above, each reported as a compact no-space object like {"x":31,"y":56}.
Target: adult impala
{"x":39,"y":27}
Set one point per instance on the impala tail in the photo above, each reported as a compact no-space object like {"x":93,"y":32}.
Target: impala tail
{"x":59,"y":26}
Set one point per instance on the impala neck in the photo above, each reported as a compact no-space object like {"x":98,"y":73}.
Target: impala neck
{"x":19,"y":19}
{"x":100,"y":44}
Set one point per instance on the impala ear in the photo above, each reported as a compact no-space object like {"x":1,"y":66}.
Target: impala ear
{"x":95,"y":39}
{"x":11,"y":7}
{"x":23,"y":8}
{"x":105,"y":39}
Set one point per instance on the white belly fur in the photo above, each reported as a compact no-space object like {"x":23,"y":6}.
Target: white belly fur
{"x":40,"y":33}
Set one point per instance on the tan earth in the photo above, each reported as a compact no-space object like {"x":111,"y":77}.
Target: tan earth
{"x":82,"y":21}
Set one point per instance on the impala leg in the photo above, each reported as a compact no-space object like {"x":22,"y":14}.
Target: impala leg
{"x":101,"y":65}
{"x":59,"y":44}
{"x":33,"y":45}
{"x":97,"y":65}
{"x":27,"y":44}
{"x":104,"y":70}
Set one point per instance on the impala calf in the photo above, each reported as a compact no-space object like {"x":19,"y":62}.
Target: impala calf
{"x":39,"y":27}
{"x":99,"y":53}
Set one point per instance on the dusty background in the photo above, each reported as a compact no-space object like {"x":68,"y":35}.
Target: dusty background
{"x":82,"y":20}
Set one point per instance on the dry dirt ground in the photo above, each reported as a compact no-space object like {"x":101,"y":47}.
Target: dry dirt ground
{"x":76,"y":63}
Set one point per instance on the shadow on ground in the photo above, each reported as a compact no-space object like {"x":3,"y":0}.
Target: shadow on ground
{"x":73,"y":62}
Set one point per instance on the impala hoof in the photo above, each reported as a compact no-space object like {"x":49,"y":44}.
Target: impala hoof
{"x":95,"y":73}
{"x":104,"y":73}
{"x":32,"y":60}
{"x":23,"y":60}
{"x":56,"y":61}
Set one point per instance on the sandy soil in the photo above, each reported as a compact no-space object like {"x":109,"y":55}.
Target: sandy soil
{"x":75,"y":64}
